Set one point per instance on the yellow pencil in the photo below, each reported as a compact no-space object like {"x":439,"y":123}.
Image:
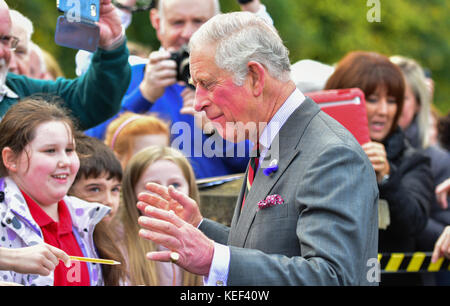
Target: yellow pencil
{"x":95,"y":260}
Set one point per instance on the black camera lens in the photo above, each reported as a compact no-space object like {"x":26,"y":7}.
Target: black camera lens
{"x":181,"y":57}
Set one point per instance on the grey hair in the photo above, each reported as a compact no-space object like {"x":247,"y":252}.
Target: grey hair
{"x":19,"y":20}
{"x":241,"y":37}
{"x":415,"y":77}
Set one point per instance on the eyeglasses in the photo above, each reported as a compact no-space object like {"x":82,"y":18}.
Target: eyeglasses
{"x":9,"y":41}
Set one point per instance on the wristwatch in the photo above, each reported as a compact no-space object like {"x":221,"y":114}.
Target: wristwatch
{"x":244,"y":1}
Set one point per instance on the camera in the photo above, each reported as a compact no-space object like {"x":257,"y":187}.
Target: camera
{"x":181,"y":57}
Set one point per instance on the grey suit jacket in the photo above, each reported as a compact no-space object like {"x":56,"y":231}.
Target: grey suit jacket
{"x":326,"y":232}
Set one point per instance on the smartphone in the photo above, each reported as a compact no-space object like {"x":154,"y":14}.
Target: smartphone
{"x":80,"y":10}
{"x":77,"y":35}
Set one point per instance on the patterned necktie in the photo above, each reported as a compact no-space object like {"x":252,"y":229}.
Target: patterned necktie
{"x":252,"y":168}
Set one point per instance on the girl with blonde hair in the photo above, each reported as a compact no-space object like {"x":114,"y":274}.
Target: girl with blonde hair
{"x":168,"y":167}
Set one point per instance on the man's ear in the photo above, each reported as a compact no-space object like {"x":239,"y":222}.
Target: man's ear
{"x":257,"y":74}
{"x":9,"y":159}
{"x":154,"y":19}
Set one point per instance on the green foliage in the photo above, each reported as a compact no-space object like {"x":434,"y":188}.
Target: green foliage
{"x":324,"y":30}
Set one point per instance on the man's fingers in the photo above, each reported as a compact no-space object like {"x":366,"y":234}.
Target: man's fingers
{"x":161,"y":214}
{"x":180,"y":197}
{"x":166,"y":241}
{"x":188,"y":110}
{"x":158,"y":56}
{"x":165,"y":72}
{"x":141,"y":206}
{"x":159,"y":190}
{"x":163,"y":256}
{"x":157,"y":225}
{"x":147,"y":199}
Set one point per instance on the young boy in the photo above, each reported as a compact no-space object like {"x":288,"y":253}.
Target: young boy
{"x":100,"y":175}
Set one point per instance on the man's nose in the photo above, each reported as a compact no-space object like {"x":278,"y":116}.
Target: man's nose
{"x":5,"y":54}
{"x":201,"y":100}
{"x":13,"y":64}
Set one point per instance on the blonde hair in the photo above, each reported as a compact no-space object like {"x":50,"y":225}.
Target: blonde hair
{"x":143,"y":271}
{"x":121,"y":137}
{"x":415,"y":77}
{"x":52,"y":66}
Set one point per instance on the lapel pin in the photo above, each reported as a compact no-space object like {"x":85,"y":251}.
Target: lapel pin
{"x":273,"y":167}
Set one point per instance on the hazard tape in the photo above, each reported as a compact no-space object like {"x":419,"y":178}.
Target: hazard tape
{"x":411,"y":262}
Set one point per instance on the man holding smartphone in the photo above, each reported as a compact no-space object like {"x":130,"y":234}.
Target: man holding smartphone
{"x":92,"y":98}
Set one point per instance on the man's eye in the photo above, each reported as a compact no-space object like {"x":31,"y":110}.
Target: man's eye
{"x":178,"y":22}
{"x":207,"y":86}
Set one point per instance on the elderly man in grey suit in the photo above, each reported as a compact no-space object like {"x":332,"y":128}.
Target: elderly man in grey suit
{"x":310,"y":215}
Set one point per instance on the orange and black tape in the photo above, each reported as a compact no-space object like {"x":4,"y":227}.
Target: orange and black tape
{"x":411,"y":262}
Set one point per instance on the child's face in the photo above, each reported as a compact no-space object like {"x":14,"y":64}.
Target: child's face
{"x":101,"y":190}
{"x":165,"y":173}
{"x":48,"y":165}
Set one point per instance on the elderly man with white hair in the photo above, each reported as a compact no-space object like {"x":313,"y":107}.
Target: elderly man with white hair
{"x":22,"y":28}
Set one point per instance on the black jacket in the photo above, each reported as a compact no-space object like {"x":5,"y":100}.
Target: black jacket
{"x":409,"y":193}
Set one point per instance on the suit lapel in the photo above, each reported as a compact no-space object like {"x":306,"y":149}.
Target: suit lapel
{"x":237,"y":209}
{"x":284,"y":149}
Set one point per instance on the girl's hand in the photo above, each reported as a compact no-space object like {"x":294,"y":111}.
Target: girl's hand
{"x":40,"y":259}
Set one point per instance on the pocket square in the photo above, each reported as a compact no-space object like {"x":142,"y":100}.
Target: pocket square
{"x":271,"y":200}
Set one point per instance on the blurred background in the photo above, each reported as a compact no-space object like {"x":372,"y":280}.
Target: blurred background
{"x":323,"y":30}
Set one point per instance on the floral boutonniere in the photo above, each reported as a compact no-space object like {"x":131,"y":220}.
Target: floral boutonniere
{"x":271,"y":200}
{"x":273,"y":167}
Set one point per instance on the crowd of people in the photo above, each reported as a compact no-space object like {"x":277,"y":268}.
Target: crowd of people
{"x":105,"y":165}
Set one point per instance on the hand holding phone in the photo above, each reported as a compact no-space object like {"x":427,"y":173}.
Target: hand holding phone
{"x":87,"y":24}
